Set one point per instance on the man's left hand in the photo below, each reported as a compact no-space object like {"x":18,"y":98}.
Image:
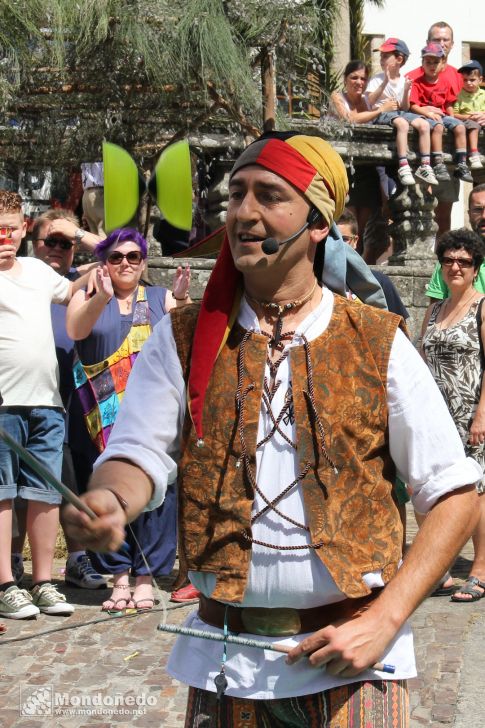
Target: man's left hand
{"x":348,"y":648}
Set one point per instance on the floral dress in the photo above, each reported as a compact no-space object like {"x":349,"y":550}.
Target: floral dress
{"x":453,"y":356}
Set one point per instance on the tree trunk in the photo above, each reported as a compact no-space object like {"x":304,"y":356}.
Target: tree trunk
{"x":341,"y":34}
{"x":268,"y":79}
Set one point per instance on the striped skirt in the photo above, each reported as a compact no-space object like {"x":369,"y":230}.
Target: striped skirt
{"x":376,"y":704}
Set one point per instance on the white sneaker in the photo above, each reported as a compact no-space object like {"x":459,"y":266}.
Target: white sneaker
{"x":50,"y":601}
{"x":475,"y":162}
{"x":80,"y":572}
{"x":424,"y":173}
{"x":405,"y":175}
{"x":16,"y":603}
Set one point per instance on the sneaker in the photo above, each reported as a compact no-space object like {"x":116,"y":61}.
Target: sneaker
{"x":16,"y":603}
{"x":424,"y":173}
{"x":50,"y":601}
{"x":441,"y":173}
{"x":186,"y":594}
{"x":80,"y":572}
{"x":17,"y":568}
{"x":462,"y":172}
{"x":405,"y":175}
{"x":475,"y":162}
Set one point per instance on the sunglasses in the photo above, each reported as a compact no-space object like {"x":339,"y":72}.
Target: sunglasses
{"x":348,"y":238}
{"x":134,"y":257}
{"x":461,"y":262}
{"x":63,"y":243}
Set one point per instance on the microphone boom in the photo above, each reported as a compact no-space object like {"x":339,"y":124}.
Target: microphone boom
{"x":270,"y":246}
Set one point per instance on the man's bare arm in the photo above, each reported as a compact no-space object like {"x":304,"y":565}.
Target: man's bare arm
{"x":353,"y":646}
{"x":106,"y":533}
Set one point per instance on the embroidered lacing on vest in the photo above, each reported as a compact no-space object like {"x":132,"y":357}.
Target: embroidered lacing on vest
{"x":269,"y":390}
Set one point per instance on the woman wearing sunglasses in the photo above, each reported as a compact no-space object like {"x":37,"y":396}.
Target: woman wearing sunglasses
{"x":110,"y":327}
{"x":452,"y":346}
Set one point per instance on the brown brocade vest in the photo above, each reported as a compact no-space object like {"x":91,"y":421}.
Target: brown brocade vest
{"x":353,"y":511}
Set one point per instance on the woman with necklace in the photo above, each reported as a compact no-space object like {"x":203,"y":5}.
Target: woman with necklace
{"x":453,"y":332}
{"x":110,"y":327}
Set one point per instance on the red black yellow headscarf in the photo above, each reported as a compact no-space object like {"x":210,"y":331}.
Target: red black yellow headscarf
{"x":312,"y":166}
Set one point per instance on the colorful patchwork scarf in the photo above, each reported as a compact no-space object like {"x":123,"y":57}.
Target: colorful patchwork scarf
{"x":101,"y":386}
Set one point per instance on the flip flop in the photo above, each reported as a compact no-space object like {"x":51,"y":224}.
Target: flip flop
{"x":115,"y":609}
{"x":144,"y":609}
{"x":469,"y":587}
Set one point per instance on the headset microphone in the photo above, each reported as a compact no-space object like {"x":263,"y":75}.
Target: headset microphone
{"x":271,"y":246}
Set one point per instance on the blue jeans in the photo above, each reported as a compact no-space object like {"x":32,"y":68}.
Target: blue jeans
{"x":41,"y":431}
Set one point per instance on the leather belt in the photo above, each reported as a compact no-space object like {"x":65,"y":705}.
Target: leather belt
{"x":280,"y":621}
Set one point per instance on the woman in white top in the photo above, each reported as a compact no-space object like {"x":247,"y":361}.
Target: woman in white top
{"x":350,"y":104}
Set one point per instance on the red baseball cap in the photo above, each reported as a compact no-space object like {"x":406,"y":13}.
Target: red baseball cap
{"x":394,"y":45}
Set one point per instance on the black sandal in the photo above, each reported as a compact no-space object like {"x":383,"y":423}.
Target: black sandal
{"x":469,"y":587}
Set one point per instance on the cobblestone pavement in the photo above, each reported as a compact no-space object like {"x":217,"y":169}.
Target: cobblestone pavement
{"x":127,"y":656}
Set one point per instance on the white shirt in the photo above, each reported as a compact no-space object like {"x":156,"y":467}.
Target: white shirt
{"x":28,"y":362}
{"x":92,"y":175}
{"x":414,"y":402}
{"x":394,"y":89}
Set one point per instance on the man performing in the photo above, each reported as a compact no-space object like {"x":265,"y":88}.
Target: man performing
{"x":301,"y":407}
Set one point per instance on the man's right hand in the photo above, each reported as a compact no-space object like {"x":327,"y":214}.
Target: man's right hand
{"x":104,"y":533}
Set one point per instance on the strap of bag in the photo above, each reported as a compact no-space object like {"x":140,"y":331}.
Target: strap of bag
{"x":479,"y":326}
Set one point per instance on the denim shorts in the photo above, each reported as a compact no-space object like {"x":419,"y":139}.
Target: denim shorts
{"x":41,"y":431}
{"x":450,"y":122}
{"x":387,"y":117}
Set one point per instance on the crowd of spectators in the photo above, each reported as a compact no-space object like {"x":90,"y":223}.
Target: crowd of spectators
{"x":69,"y":336}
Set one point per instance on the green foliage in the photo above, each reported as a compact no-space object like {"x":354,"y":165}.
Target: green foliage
{"x":181,"y":53}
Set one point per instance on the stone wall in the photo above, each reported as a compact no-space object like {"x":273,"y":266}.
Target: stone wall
{"x":410,"y":281}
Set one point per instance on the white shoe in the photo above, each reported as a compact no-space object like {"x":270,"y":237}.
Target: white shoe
{"x":50,"y":601}
{"x":424,"y":173}
{"x":80,"y":572}
{"x":16,"y":603}
{"x":475,"y":162}
{"x":405,"y":175}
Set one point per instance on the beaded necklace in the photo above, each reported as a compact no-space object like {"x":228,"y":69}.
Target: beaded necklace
{"x":278,"y":310}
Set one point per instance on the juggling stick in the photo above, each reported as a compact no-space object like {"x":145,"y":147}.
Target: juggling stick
{"x":46,"y":474}
{"x":244,"y":641}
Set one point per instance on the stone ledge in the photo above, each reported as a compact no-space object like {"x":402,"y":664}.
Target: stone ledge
{"x":410,"y":281}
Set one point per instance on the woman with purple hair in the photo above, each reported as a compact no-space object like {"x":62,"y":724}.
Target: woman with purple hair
{"x":110,"y":326}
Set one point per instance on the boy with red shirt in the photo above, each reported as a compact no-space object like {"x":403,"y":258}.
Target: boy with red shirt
{"x":432,"y":95}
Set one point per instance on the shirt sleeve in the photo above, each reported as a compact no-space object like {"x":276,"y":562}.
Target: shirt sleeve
{"x":459,"y":107}
{"x":374,"y":83}
{"x":149,"y":423}
{"x":436,"y":287}
{"x":59,"y":285}
{"x":450,"y":96}
{"x":414,"y":94}
{"x":423,"y":440}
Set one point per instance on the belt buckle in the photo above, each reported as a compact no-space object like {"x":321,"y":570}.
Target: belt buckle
{"x":274,"y":622}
